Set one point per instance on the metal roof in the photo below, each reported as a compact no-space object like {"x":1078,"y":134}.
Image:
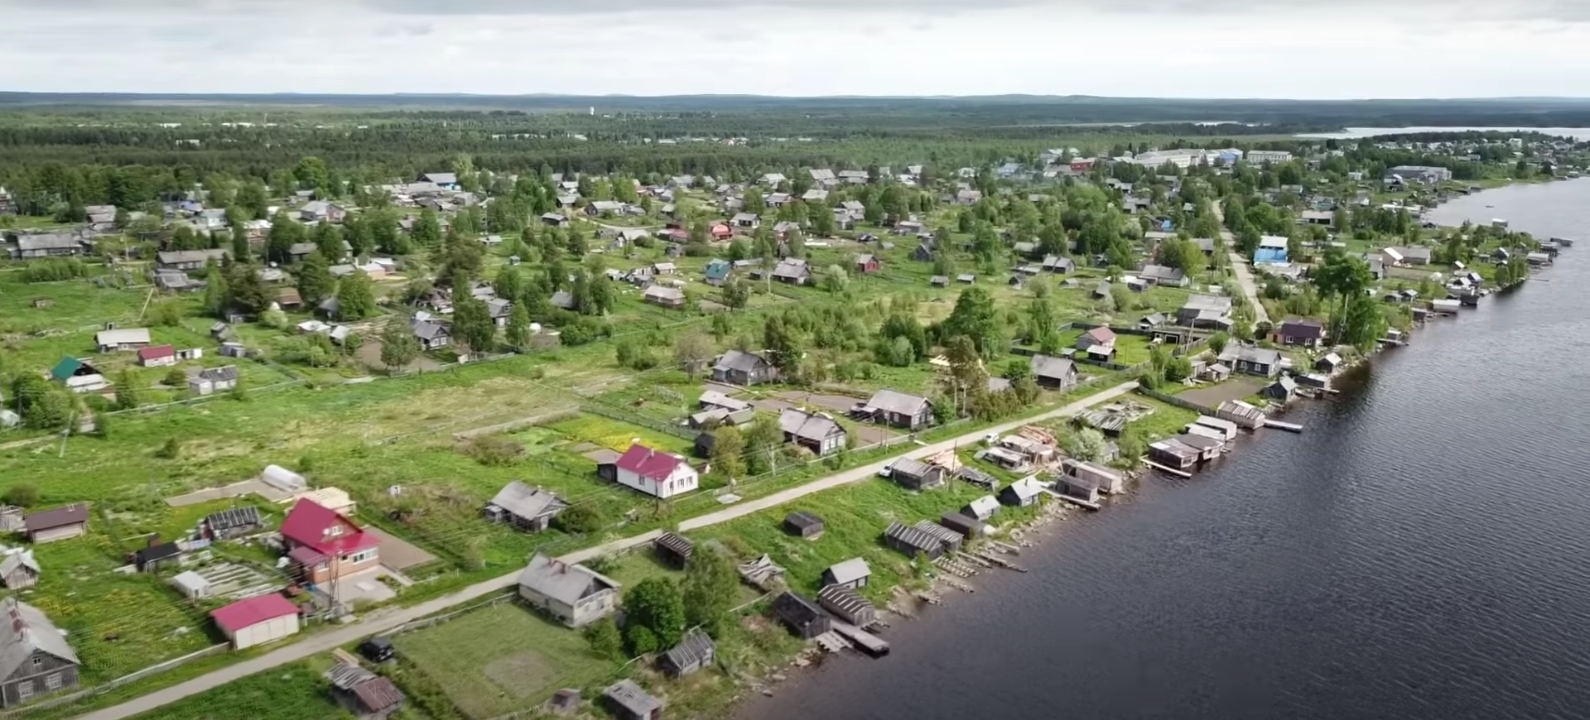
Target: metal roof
{"x":849,"y":571}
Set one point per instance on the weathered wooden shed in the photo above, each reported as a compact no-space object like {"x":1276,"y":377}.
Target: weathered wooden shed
{"x":694,"y":652}
{"x":846,"y":605}
{"x":852,"y":573}
{"x":912,"y":541}
{"x":802,"y":617}
{"x":674,"y":549}
{"x":803,"y":524}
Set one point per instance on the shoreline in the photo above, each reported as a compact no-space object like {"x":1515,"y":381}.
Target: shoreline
{"x":800,"y":669}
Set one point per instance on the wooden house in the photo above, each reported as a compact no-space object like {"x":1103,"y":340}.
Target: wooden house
{"x":852,"y":574}
{"x":674,"y":549}
{"x":737,"y":367}
{"x":573,"y":594}
{"x":803,"y":618}
{"x":814,"y":431}
{"x":898,"y":409}
{"x":845,"y":604}
{"x":1053,"y":373}
{"x":524,"y":507}
{"x":35,"y":658}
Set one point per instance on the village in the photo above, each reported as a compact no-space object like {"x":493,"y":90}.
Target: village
{"x":710,"y":423}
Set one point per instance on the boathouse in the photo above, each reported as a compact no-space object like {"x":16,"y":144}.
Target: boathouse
{"x":912,"y":541}
{"x":846,"y":605}
{"x":802,"y":617}
{"x":1107,"y":480}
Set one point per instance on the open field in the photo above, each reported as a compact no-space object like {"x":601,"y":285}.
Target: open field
{"x":501,"y":659}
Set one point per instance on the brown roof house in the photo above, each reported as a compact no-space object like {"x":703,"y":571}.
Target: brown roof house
{"x":59,"y":524}
{"x":367,"y":695}
{"x":35,"y":659}
{"x":574,"y":594}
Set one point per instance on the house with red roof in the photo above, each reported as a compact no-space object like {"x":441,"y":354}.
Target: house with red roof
{"x":324,"y":545}
{"x":157,"y":356}
{"x":653,"y":472}
{"x":257,"y":620}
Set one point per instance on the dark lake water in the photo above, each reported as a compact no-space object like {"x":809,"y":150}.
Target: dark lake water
{"x":1419,"y":552}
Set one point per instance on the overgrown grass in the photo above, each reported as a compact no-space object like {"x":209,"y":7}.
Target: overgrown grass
{"x":500,"y":659}
{"x":291,"y":692}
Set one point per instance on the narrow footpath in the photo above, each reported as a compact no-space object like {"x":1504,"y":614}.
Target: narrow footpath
{"x":381,"y":622}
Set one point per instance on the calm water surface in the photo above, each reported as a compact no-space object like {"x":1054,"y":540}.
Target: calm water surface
{"x":1419,"y":552}
{"x":1363,"y":132}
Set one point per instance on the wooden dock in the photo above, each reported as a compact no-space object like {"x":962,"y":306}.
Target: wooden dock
{"x":1278,"y":425}
{"x":1162,"y":468}
{"x":863,"y":640}
{"x":1074,"y":501}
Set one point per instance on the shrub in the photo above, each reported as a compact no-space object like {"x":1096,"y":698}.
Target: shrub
{"x":494,"y":451}
{"x":24,"y":495}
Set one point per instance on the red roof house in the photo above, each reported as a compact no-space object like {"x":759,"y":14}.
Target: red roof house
{"x":326,"y":545}
{"x":157,"y":356}
{"x":655,"y":472}
{"x":257,"y":620}
{"x":721,"y":231}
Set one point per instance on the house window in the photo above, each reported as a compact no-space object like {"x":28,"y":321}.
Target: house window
{"x":334,"y":530}
{"x":53,"y":681}
{"x":360,"y":556}
{"x":25,"y":689}
{"x":38,"y":662}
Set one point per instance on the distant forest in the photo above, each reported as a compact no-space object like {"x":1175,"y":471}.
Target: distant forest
{"x":84,"y":149}
{"x":1280,"y":115}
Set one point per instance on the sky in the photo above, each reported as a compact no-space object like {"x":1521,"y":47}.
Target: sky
{"x":1302,"y":49}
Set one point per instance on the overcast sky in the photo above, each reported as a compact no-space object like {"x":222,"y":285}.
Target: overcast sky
{"x":1158,"y":48}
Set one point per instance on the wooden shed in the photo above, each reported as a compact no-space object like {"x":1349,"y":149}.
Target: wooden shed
{"x":912,"y":541}
{"x":846,"y":605}
{"x":852,"y":573}
{"x":694,"y":652}
{"x":966,"y":526}
{"x":58,"y":524}
{"x":803,"y":524}
{"x":674,"y":549}
{"x":801,"y":616}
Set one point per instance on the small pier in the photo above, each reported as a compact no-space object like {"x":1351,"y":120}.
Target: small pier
{"x":1167,"y":469}
{"x":1278,"y":425}
{"x":863,"y":640}
{"x":1074,"y":500}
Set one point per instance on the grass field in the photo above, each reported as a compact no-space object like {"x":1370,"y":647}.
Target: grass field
{"x":502,"y":659}
{"x":290,"y":692}
{"x":118,"y":623}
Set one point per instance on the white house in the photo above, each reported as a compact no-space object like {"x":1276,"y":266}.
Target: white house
{"x":655,"y":472}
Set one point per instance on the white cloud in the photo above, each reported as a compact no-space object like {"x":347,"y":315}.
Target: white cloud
{"x":1158,"y":48}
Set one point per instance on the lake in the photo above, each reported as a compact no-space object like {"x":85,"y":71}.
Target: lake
{"x":1417,"y":553}
{"x":1363,"y":132}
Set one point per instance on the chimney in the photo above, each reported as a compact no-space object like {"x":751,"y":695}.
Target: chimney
{"x":154,"y":539}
